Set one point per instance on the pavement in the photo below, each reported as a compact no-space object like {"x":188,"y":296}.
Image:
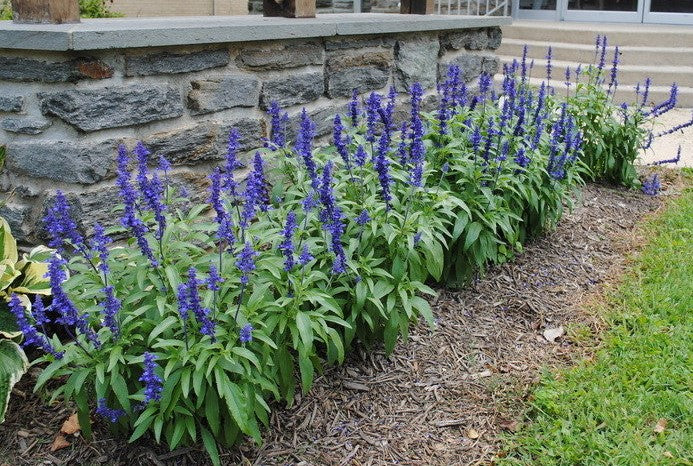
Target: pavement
{"x":667,"y":146}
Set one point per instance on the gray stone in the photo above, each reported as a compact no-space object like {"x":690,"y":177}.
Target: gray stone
{"x":206,"y":141}
{"x":355,"y":42}
{"x":471,"y":66}
{"x":495,"y":36}
{"x":471,"y":39}
{"x":11,"y":103}
{"x":322,"y":117}
{"x":252,"y":131}
{"x":291,"y":55}
{"x":184,"y":146}
{"x":416,"y":61}
{"x":28,"y":125}
{"x":28,"y":69}
{"x":293,"y":89}
{"x":113,"y":107}
{"x":173,"y":63}
{"x":219,"y":93}
{"x":70,"y":162}
{"x":17,"y":216}
{"x":364,"y":70}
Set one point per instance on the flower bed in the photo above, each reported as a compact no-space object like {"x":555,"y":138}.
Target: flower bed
{"x":209,"y":311}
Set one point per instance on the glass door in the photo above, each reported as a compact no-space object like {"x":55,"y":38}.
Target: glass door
{"x":547,"y":10}
{"x":669,"y":11}
{"x":629,"y":11}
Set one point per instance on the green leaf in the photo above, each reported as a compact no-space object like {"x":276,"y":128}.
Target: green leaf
{"x":211,"y":446}
{"x":305,"y":366}
{"x":305,"y":328}
{"x":164,"y":325}
{"x":472,"y":234}
{"x":13,"y":364}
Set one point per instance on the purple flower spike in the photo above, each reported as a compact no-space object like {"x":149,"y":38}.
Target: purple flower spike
{"x":305,"y":256}
{"x":111,"y":307}
{"x":111,"y":414}
{"x":360,"y":156}
{"x":214,"y":279}
{"x":246,"y":261}
{"x":246,"y":333}
{"x":363,"y":218}
{"x":417,"y":151}
{"x":62,"y":227}
{"x":354,"y":108}
{"x":153,"y":384}
{"x":341,"y":142}
{"x":651,"y":186}
{"x":99,"y":243}
{"x":304,"y":147}
{"x":287,"y":245}
{"x":278,"y":125}
{"x":32,"y":337}
{"x":232,"y":163}
{"x":372,"y":114}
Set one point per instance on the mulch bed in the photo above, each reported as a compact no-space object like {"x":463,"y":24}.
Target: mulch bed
{"x":444,"y":397}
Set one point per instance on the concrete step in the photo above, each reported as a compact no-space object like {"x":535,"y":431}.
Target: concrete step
{"x":584,"y":53}
{"x":642,"y":35}
{"x":628,"y":74}
{"x":625,"y":93}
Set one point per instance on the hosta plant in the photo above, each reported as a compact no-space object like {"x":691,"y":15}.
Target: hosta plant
{"x":21,"y":278}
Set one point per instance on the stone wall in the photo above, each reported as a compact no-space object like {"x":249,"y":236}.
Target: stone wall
{"x":62,"y":114}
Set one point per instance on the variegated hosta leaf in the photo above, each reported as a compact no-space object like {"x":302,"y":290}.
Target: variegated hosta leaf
{"x":34,"y":280}
{"x":13,"y":364}
{"x":8,"y":245}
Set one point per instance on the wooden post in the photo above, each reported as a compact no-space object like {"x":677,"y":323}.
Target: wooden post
{"x":416,"y":7}
{"x":45,"y":11}
{"x":289,"y":8}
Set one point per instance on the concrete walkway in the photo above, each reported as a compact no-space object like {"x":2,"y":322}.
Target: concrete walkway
{"x":667,"y":146}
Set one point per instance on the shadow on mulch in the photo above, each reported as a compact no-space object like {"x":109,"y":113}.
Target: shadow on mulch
{"x":443,"y":397}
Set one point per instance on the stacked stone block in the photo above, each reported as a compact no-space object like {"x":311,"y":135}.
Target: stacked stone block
{"x":62,"y":115}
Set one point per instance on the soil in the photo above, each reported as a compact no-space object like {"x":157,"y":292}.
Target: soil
{"x":444,"y":397}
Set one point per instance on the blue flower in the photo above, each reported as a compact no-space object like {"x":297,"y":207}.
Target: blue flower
{"x":652,"y":186}
{"x":278,"y":126}
{"x":129,"y":198}
{"x":69,"y":315}
{"x":521,"y":158}
{"x":360,"y":156}
{"x":382,"y":165}
{"x":287,"y":245}
{"x":193,"y":303}
{"x":339,"y":142}
{"x":331,"y":217}
{"x":674,"y":160}
{"x":417,"y":238}
{"x":214,"y":279}
{"x":151,"y":189}
{"x":372,"y":114}
{"x":246,"y":333}
{"x":61,"y":226}
{"x":549,"y":54}
{"x":111,"y":306}
{"x":255,"y":196}
{"x":354,"y":108}
{"x":99,"y":243}
{"x":363,"y":218}
{"x":153,"y":384}
{"x":246,"y":261}
{"x":32,"y":337}
{"x":305,"y":256}
{"x":111,"y":414}
{"x":304,"y":147}
{"x":417,"y":151}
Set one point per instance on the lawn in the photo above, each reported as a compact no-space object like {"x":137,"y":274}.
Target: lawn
{"x":632,"y":403}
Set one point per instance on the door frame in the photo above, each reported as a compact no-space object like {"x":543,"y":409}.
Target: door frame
{"x":601,"y":16}
{"x":542,"y":15}
{"x":665,"y":18}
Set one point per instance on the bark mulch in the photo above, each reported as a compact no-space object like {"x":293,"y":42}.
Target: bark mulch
{"x":444,"y":397}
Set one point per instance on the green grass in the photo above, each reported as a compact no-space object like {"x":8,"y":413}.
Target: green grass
{"x":605,"y":411}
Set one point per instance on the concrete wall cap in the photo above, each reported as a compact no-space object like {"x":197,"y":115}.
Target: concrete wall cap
{"x":120,"y":33}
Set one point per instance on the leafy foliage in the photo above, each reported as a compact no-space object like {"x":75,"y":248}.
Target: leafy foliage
{"x":13,"y":364}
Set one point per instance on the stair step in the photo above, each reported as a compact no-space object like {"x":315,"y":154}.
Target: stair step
{"x":628,"y":74}
{"x":623,"y":93}
{"x":585,"y":33}
{"x":584,"y":53}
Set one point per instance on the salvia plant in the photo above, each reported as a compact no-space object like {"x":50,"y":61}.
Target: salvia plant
{"x":616,"y":133}
{"x":185,"y":321}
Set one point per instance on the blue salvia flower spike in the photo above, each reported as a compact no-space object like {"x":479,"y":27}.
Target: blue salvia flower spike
{"x":153,"y":384}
